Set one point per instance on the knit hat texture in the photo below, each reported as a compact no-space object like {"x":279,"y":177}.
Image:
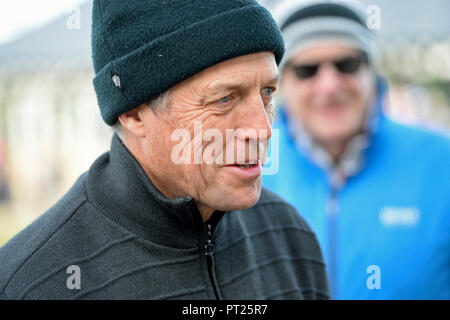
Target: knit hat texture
{"x":142,"y":48}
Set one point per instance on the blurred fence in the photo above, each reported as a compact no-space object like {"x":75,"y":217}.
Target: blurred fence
{"x":419,"y":77}
{"x":52,"y":131}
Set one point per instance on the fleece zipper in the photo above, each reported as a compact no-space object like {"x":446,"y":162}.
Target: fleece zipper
{"x":332,"y":215}
{"x":209,"y":253}
{"x":336,"y":183}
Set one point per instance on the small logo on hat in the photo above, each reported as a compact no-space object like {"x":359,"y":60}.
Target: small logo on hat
{"x":115,"y":77}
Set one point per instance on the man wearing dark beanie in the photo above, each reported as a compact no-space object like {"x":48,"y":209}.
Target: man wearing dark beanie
{"x":175,"y":209}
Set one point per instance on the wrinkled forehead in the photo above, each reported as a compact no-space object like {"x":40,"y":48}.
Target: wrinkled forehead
{"x":242,"y":70}
{"x":324,"y":50}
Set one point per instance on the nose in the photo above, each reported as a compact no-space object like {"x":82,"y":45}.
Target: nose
{"x":256,"y":120}
{"x":327,"y":81}
{"x":254,"y":129}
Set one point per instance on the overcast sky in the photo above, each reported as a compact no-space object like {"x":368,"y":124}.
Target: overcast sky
{"x":407,"y":17}
{"x":20,"y":16}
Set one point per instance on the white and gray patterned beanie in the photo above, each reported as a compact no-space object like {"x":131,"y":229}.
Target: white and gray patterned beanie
{"x":309,"y":22}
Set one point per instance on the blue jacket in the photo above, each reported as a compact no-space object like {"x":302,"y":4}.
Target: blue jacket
{"x":385,"y":232}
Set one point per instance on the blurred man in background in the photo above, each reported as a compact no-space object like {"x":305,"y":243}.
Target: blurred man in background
{"x":376,"y":193}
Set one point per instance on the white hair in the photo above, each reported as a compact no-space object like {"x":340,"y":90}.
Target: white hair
{"x":157,"y":104}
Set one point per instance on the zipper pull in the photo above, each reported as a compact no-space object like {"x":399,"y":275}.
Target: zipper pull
{"x":209,"y":244}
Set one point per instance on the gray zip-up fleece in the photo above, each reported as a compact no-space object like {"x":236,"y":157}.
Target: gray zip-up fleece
{"x":120,"y":238}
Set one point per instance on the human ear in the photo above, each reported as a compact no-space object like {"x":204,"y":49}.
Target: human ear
{"x":133,"y":121}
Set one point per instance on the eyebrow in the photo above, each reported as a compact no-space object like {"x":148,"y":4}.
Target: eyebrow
{"x":229,"y":85}
{"x":274,"y":80}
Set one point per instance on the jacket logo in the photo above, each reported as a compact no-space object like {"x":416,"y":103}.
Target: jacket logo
{"x":399,"y":216}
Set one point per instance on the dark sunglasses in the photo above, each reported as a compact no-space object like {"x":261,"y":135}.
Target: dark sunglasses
{"x":347,"y":65}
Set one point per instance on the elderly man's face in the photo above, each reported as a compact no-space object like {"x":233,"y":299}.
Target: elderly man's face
{"x":331,"y":104}
{"x":235,"y":94}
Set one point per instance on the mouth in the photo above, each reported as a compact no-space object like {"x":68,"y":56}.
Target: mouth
{"x":331,"y":112}
{"x":249,"y":170}
{"x":332,"y":106}
{"x":246,"y":166}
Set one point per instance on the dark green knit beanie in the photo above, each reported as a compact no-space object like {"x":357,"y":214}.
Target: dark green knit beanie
{"x":142,"y":48}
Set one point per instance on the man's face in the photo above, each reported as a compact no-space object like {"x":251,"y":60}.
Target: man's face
{"x":232,"y":95}
{"x":331,"y":104}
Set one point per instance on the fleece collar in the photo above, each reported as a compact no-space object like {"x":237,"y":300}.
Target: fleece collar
{"x":119,"y":188}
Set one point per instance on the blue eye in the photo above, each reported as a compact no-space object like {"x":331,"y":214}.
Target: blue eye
{"x":269,"y":91}
{"x":225,"y":99}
